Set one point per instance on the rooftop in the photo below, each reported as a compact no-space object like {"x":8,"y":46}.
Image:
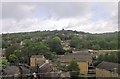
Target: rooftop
{"x":11,"y":70}
{"x":75,"y":56}
{"x":109,"y":66}
{"x":40,"y":62}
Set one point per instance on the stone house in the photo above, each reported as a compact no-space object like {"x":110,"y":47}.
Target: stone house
{"x":12,"y":71}
{"x":36,"y":58}
{"x":83,"y":60}
{"x":108,"y":69}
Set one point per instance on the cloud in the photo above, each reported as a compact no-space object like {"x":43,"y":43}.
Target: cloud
{"x":82,"y":16}
{"x":17,"y":10}
{"x":51,"y":9}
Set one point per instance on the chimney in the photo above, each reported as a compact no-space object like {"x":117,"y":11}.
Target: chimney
{"x":115,"y":72}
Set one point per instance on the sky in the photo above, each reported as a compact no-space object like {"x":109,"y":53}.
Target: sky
{"x":93,"y":17}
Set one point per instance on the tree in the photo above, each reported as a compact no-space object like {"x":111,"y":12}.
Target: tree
{"x":118,"y":54}
{"x":99,"y":59}
{"x":49,"y":55}
{"x":11,"y":49}
{"x":76,"y":42}
{"x":4,"y":44}
{"x":3,"y":62}
{"x":113,"y":44}
{"x":33,"y":48}
{"x":74,"y":69}
{"x":108,"y":56}
{"x":55,"y":45}
{"x":111,"y":57}
{"x":103,"y":43}
{"x":96,"y":47}
{"x":13,"y":58}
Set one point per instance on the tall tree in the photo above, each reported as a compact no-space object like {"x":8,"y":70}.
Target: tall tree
{"x":74,"y":69}
{"x":55,"y":45}
{"x":76,"y":42}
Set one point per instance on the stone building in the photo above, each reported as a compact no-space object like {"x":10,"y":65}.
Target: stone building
{"x":107,"y":69}
{"x":83,"y":60}
{"x":36,"y":58}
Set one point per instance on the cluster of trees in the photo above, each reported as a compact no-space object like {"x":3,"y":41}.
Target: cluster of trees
{"x":76,"y":42}
{"x":96,"y":42}
{"x":109,"y":56}
{"x":21,"y":53}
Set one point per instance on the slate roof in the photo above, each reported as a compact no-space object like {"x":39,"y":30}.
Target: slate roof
{"x":40,"y":62}
{"x":11,"y":70}
{"x":25,"y":70}
{"x":47,"y":69}
{"x":76,"y":56}
{"x":109,"y":66}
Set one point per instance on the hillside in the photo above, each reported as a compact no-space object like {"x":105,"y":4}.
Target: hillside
{"x":19,"y":47}
{"x":105,"y":40}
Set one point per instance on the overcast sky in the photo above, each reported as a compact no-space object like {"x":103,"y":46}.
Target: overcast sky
{"x":93,"y":17}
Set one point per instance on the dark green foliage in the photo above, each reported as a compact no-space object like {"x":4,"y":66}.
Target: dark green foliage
{"x":4,"y":45}
{"x":119,"y":40}
{"x":11,"y":49}
{"x":73,"y":68}
{"x":13,"y":58}
{"x":110,"y":57}
{"x":76,"y":42}
{"x":55,"y":45}
{"x":96,"y":47}
{"x":33,"y":48}
{"x":118,"y":55}
{"x":49,"y":55}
